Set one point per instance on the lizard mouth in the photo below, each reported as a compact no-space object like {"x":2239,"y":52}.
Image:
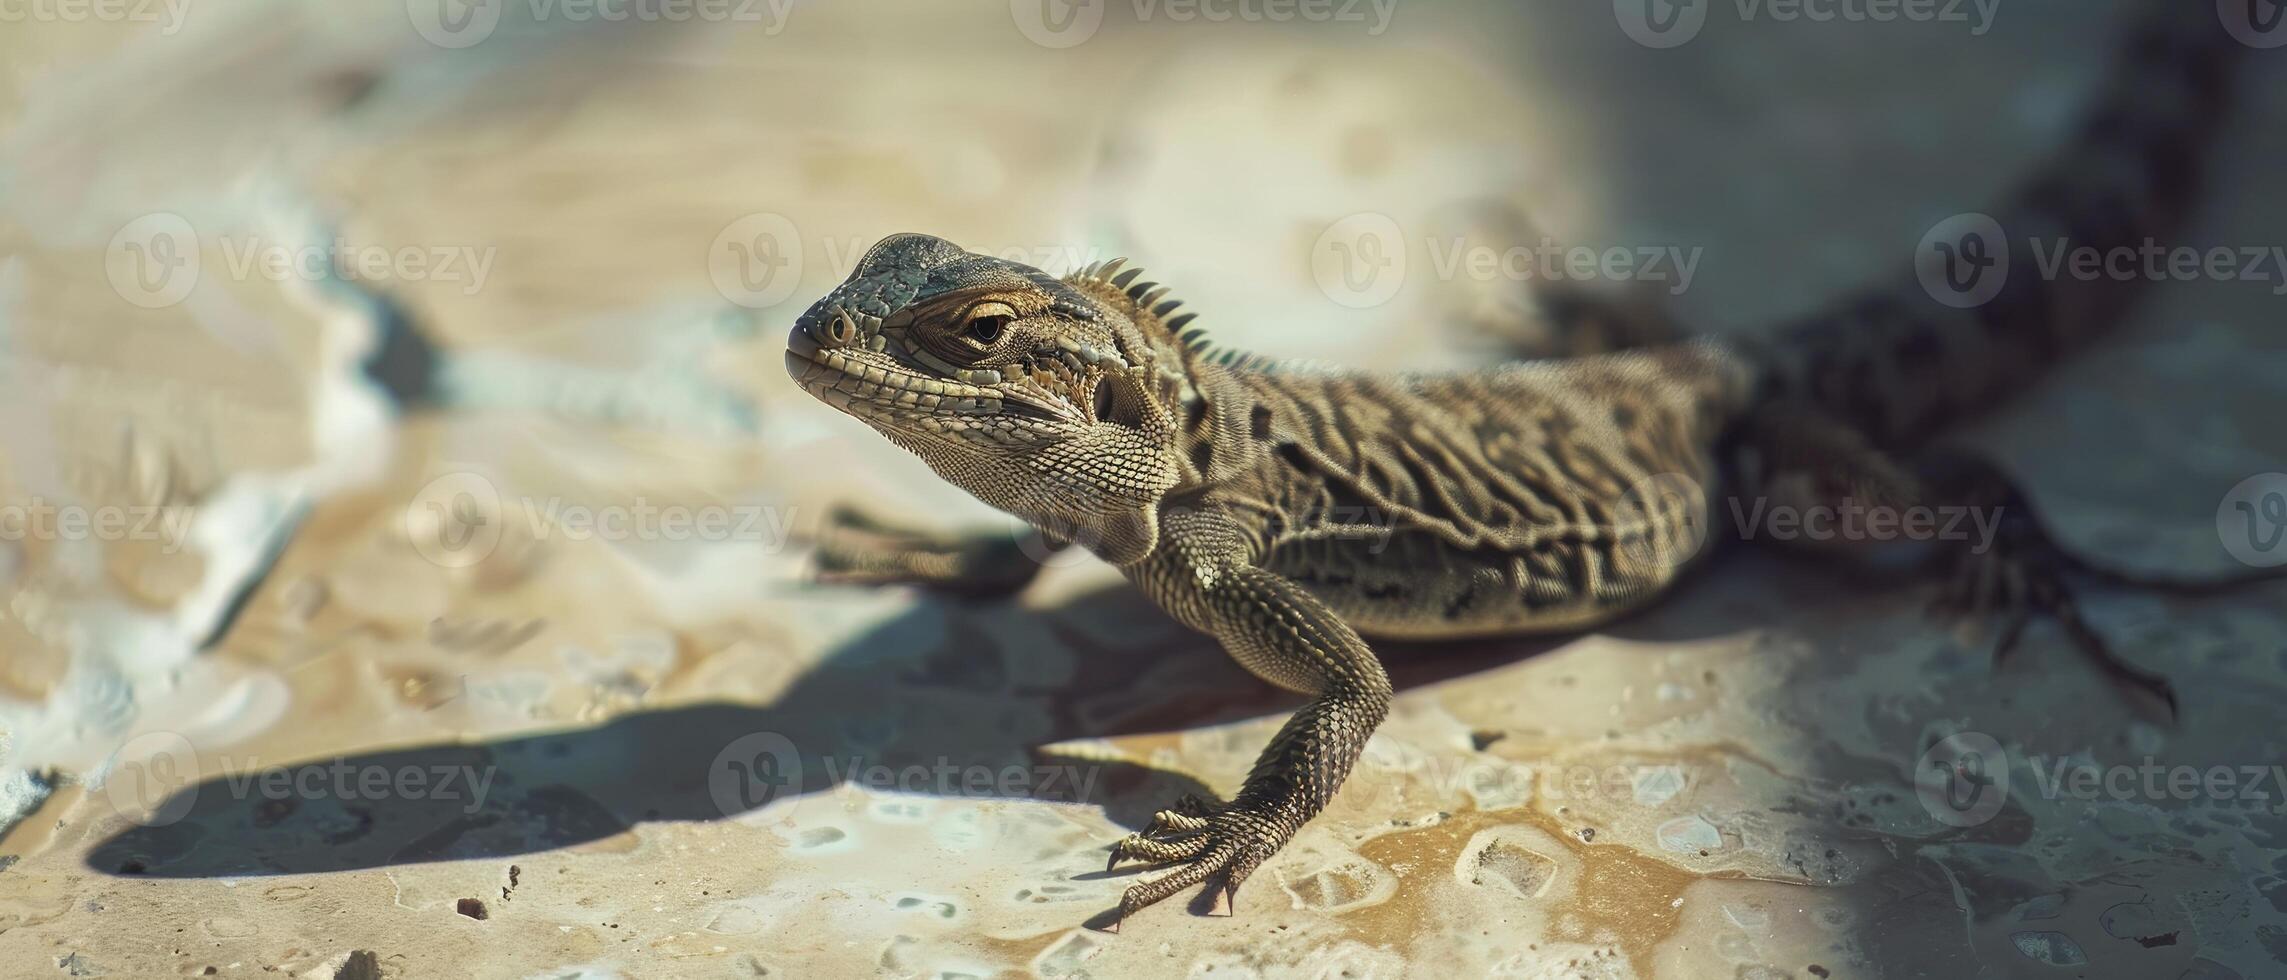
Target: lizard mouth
{"x":862,"y":381}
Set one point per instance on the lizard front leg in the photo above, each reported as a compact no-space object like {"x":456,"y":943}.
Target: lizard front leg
{"x":1286,"y":636}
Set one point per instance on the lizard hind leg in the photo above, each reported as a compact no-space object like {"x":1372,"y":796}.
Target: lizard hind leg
{"x":2021,"y":572}
{"x":1801,"y":459}
{"x":2010,"y":573}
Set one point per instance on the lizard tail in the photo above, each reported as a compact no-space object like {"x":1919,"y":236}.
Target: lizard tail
{"x":1989,"y":303}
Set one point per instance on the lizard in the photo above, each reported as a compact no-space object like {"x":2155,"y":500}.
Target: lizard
{"x":1294,"y":513}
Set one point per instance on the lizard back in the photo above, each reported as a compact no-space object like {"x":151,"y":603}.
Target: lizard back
{"x":1538,"y":496}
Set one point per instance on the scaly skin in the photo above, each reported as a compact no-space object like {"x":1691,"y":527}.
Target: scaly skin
{"x":1289,"y":513}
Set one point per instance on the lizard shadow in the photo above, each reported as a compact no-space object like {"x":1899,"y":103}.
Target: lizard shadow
{"x":941,"y":700}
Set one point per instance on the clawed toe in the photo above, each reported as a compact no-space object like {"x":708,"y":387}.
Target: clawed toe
{"x":1228,"y":845}
{"x":1155,"y":850}
{"x":2010,"y":586}
{"x":1174,"y":821}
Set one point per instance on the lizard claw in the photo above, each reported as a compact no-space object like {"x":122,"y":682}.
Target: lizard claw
{"x":1188,"y":815}
{"x":1159,"y":847}
{"x":1172,"y":835}
{"x":2022,"y":576}
{"x":1231,"y":843}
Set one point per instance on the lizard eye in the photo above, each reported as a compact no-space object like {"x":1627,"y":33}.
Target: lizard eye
{"x":987,"y":329}
{"x":987,"y":321}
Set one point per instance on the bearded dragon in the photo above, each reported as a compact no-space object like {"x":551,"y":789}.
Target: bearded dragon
{"x":1291,"y":513}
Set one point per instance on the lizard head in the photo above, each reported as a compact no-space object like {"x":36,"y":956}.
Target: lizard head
{"x":1041,"y":396}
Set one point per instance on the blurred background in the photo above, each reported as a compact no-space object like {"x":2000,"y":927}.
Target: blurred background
{"x":404,"y":511}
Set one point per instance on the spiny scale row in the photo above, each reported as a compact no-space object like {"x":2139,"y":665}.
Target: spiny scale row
{"x":1151,"y":296}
